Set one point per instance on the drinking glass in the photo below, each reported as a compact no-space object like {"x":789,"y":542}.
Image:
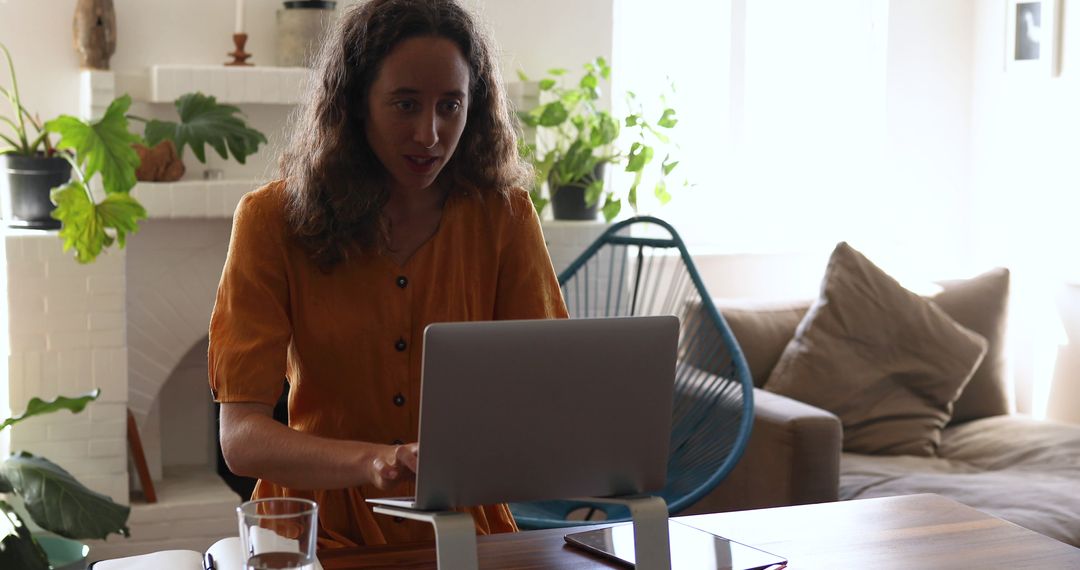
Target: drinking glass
{"x":278,"y":533}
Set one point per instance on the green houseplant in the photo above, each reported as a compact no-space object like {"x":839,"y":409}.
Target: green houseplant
{"x":87,"y":224}
{"x":201,"y":121}
{"x":54,"y":499}
{"x":582,"y":139}
{"x":36,"y":174}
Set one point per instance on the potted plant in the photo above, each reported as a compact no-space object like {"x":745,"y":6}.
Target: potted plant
{"x":51,"y":497}
{"x":202,"y":121}
{"x":29,"y":164}
{"x":30,"y":173}
{"x":582,"y":139}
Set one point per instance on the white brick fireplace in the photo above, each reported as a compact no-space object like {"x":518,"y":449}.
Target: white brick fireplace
{"x":133,"y":323}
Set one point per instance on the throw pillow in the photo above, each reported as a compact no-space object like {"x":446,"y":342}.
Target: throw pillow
{"x":762,"y":329}
{"x":886,"y":361}
{"x":981,"y":304}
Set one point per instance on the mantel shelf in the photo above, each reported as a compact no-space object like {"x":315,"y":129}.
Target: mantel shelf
{"x":192,"y":199}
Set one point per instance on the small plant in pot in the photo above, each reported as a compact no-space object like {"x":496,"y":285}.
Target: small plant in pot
{"x":30,"y":173}
{"x":51,"y":497}
{"x":202,"y":121}
{"x":583,"y":139}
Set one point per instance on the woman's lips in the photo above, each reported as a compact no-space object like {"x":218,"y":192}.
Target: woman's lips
{"x":421,"y":164}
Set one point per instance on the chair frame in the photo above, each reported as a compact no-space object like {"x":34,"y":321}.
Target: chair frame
{"x":741,"y":369}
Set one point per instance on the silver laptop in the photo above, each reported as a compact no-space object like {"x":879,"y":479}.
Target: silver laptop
{"x":546,"y":409}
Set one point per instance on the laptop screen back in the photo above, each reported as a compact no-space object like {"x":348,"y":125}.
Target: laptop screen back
{"x":547,"y":409}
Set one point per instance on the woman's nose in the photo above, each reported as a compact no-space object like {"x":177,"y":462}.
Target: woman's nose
{"x":426,"y":131}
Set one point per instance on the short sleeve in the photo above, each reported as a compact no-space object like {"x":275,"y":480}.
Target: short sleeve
{"x":528,"y":287}
{"x":250,"y":328}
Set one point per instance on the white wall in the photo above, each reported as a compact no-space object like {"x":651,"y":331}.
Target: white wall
{"x":1025,"y":180}
{"x":926,"y":182}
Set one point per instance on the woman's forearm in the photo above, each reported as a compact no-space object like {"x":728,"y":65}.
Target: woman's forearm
{"x":257,"y":445}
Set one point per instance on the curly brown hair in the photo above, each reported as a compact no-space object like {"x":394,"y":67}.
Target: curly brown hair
{"x":336,"y":186}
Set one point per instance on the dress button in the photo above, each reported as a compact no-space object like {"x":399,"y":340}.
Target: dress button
{"x":402,"y":281}
{"x":400,"y":345}
{"x":399,"y":400}
{"x":397,"y":442}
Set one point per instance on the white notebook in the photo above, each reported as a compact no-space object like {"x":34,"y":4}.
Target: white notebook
{"x":226,"y":552}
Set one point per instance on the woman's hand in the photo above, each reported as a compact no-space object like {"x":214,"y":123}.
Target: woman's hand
{"x":394,"y":464}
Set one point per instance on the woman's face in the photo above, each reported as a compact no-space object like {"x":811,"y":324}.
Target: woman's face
{"x":417,"y":109}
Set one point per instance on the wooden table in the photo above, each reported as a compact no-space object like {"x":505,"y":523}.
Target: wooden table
{"x":914,"y":531}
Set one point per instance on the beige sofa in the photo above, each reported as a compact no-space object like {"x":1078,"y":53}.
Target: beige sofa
{"x":1021,"y":470}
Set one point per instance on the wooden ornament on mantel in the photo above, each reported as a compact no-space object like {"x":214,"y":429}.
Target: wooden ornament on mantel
{"x":239,"y":56}
{"x":94,"y":33}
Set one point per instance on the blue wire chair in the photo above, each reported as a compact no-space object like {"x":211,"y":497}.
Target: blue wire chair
{"x":623,"y":275}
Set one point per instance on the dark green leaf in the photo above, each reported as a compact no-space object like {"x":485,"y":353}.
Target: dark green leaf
{"x":82,"y":228}
{"x":18,"y":549}
{"x":546,"y":84}
{"x":102,"y":146}
{"x":59,"y":503}
{"x":122,"y":213}
{"x":554,"y":114}
{"x":37,"y":407}
{"x":668,"y":120}
{"x":611,"y":208}
{"x":203,"y":121}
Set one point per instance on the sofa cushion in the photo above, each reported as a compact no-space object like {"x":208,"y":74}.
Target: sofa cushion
{"x":762,"y":330}
{"x":1022,"y":470}
{"x":886,"y":361}
{"x":981,"y":305}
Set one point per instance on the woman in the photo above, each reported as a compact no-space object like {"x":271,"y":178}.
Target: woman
{"x":400,"y":205}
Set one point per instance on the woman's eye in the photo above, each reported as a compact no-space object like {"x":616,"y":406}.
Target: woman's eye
{"x":405,"y":105}
{"x":451,"y":106}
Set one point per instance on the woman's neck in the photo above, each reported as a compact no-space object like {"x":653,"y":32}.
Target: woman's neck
{"x":405,"y":205}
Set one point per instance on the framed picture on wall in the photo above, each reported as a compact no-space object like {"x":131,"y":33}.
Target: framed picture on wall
{"x":1032,"y":38}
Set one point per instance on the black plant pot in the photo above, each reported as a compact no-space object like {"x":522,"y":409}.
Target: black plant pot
{"x":568,"y":202}
{"x":25,"y":183}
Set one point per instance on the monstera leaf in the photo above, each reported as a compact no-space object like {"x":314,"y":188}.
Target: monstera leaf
{"x":101,"y":146}
{"x":84,"y":222}
{"x":37,"y":406}
{"x":60,"y":504}
{"x":204,"y":122}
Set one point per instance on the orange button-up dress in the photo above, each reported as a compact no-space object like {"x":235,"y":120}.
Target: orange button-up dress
{"x":349,"y":341}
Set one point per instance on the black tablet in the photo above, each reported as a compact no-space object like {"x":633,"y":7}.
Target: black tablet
{"x":691,"y":548}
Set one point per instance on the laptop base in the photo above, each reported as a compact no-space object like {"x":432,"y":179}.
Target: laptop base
{"x":455,"y":533}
